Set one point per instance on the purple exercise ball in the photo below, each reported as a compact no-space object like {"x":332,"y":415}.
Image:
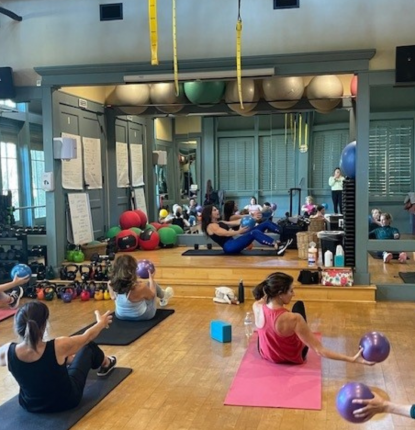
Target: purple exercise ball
{"x":376,"y":346}
{"x":273,"y":207}
{"x":350,"y":391}
{"x":144,"y":267}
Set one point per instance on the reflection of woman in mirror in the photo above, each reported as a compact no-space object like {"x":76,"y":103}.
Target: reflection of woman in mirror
{"x":186,"y":178}
{"x":162,"y":181}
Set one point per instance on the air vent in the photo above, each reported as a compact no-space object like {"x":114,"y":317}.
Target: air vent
{"x":110,"y":12}
{"x":286,"y":4}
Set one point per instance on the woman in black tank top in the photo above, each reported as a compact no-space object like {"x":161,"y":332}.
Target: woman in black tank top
{"x":52,"y":375}
{"x":222,"y":233}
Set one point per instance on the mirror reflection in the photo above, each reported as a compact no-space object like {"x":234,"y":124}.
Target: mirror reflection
{"x":187,"y":169}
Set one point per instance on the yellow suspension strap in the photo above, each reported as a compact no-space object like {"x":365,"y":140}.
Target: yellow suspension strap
{"x":175,"y":62}
{"x":152,"y":23}
{"x":238,"y":55}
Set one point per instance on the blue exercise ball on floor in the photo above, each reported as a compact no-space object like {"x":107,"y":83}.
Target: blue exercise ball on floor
{"x":348,"y":160}
{"x":248,"y":221}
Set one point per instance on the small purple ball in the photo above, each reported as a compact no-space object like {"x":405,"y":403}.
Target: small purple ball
{"x":144,"y":267}
{"x":273,"y":207}
{"x":350,"y":391}
{"x":376,"y":346}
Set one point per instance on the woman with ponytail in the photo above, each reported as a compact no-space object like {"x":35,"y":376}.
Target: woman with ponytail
{"x":52,"y":374}
{"x":284,"y":336}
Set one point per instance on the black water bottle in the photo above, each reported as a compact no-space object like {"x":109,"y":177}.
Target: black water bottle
{"x":241,"y":292}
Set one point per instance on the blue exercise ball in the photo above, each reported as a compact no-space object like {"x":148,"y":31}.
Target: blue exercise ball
{"x":21,"y":270}
{"x":325,"y":206}
{"x":348,"y":160}
{"x":248,"y":221}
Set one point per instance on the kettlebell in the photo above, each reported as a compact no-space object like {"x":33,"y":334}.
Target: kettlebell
{"x":99,"y":295}
{"x":70,"y":255}
{"x":85,"y":296}
{"x":86,"y":271}
{"x":67,"y":296}
{"x":50,"y":273}
{"x":107,"y":295}
{"x":49,"y":293}
{"x":78,"y":256}
{"x":40,"y":294}
{"x":71,"y":271}
{"x":92,"y":289}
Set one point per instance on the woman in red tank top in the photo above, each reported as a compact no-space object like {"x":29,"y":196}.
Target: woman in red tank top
{"x":284,"y":336}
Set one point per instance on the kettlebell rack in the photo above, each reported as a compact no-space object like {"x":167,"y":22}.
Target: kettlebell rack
{"x":13,"y":250}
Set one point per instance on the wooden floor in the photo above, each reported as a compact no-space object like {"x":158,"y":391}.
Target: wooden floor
{"x":181,"y":376}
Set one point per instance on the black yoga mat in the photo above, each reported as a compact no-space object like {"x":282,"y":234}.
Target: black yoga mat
{"x":125,"y":332}
{"x":408,"y":277}
{"x":13,"y":416}
{"x":253,"y":252}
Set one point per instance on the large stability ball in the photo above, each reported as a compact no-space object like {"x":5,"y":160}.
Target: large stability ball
{"x":283,"y":92}
{"x":164,"y":94}
{"x":348,"y":160}
{"x":350,"y":391}
{"x":126,"y":240}
{"x":325,"y":92}
{"x":130,"y":98}
{"x":168,"y":237}
{"x":129,"y":219}
{"x":250,"y":96}
{"x":376,"y":346}
{"x":204,"y":92}
{"x":149,"y":240}
{"x":177,"y":229}
{"x":143,"y":218}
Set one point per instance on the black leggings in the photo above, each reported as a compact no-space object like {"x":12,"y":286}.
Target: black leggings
{"x":299,"y":308}
{"x":89,"y":357}
{"x":337,"y":201}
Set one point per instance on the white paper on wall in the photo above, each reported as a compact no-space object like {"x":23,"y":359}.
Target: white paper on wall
{"x":81,"y":219}
{"x":72,"y":178}
{"x":140,"y":199}
{"x":92,"y":163}
{"x":137,"y":171}
{"x":121,"y":154}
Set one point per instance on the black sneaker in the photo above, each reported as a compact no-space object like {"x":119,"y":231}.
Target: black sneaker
{"x":15,"y":297}
{"x":284,"y":246}
{"x":104,"y":371}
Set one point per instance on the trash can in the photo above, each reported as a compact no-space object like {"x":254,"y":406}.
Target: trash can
{"x":330,"y":240}
{"x":335,"y":222}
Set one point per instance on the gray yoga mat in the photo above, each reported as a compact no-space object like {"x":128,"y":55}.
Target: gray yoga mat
{"x":13,"y":416}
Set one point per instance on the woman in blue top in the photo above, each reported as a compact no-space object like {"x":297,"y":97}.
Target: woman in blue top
{"x":135,"y":299}
{"x":223,"y":234}
{"x":52,"y":374}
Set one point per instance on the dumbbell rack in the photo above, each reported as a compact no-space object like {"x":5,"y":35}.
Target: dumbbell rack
{"x":6,"y":264}
{"x":349,"y":204}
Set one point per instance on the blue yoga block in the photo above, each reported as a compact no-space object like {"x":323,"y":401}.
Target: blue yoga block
{"x":221,"y":331}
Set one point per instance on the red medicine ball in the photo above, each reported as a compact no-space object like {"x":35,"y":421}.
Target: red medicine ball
{"x":149,"y":240}
{"x":129,"y":219}
{"x":143,"y":218}
{"x":127,"y":240}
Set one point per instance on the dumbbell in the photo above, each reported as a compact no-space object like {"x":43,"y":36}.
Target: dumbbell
{"x":100,"y":258}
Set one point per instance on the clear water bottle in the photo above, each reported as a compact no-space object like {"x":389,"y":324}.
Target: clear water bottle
{"x":249,"y":324}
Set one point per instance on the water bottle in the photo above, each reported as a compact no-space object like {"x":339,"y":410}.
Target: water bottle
{"x":241,"y":292}
{"x":312,"y":254}
{"x":249,"y":324}
{"x":328,"y":258}
{"x":339,"y":257}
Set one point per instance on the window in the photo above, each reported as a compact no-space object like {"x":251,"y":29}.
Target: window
{"x":9,"y":172}
{"x":7,"y":104}
{"x":37,"y":159}
{"x":326,"y":147}
{"x":236,"y":164}
{"x":390,"y":158}
{"x":277,"y":163}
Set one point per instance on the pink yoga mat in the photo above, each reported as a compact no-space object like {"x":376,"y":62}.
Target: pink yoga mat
{"x":261,"y":383}
{"x":6,"y":313}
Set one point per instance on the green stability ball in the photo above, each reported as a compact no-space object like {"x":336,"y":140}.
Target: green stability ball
{"x":136,"y":230}
{"x":177,"y":229}
{"x":113,"y":231}
{"x":168,"y":237}
{"x":208,"y":92}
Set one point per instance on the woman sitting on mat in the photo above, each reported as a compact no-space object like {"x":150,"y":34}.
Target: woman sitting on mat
{"x":284,"y":336}
{"x":222,"y":233}
{"x":135,"y":299}
{"x":52,"y":374}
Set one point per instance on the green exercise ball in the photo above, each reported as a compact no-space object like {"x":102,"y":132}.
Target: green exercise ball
{"x":168,"y":237}
{"x":208,"y":92}
{"x":136,"y":230}
{"x":177,"y":229}
{"x":113,"y":231}
{"x":150,"y":227}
